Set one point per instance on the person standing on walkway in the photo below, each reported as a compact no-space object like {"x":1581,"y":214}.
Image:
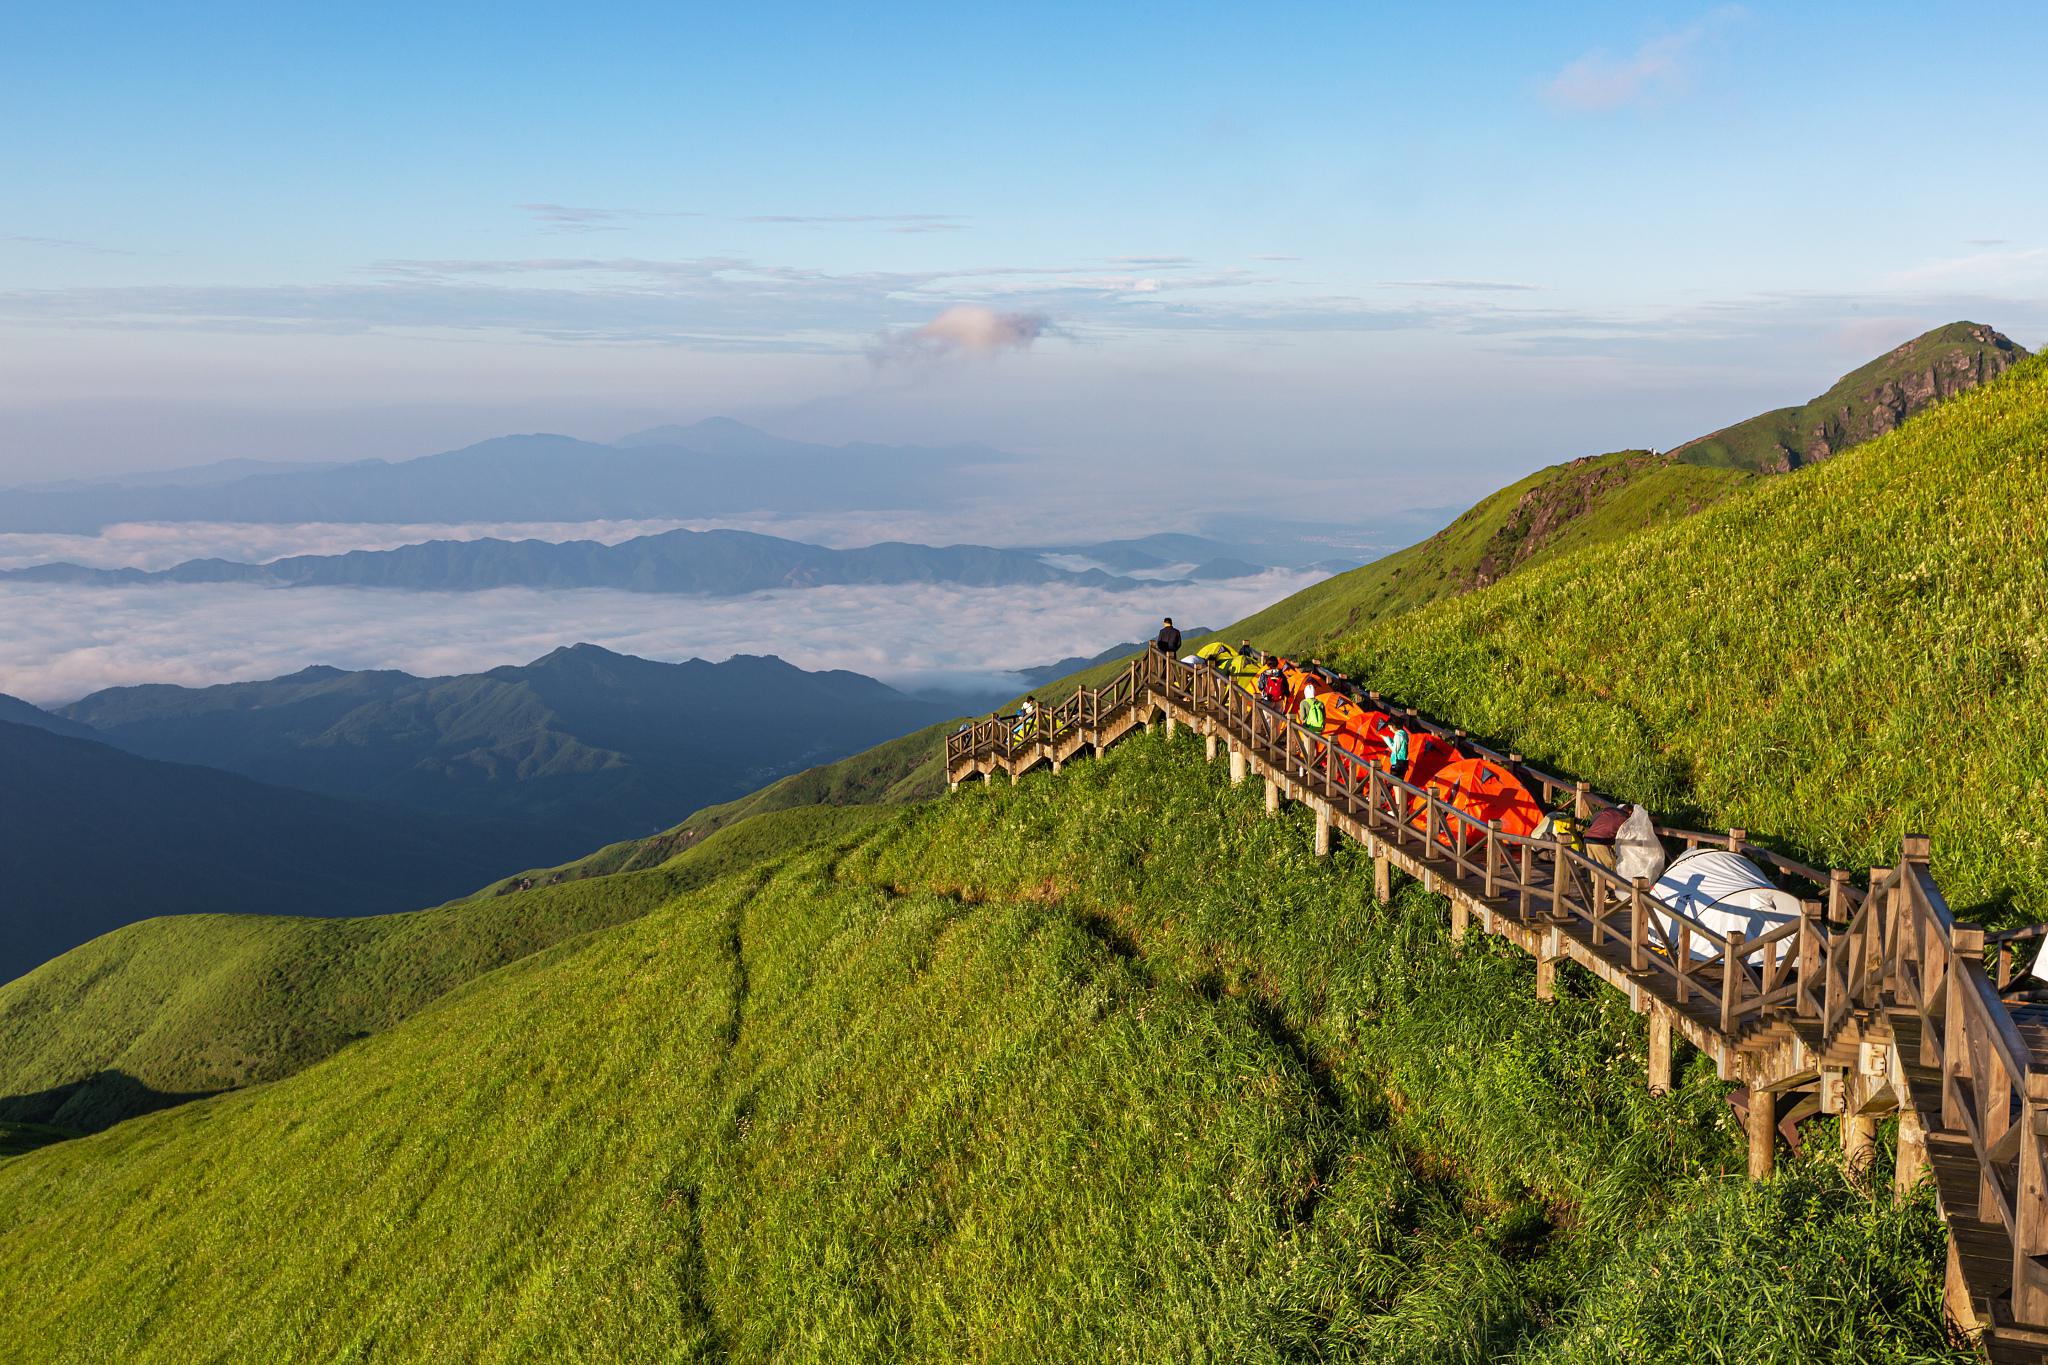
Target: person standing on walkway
{"x":1396,"y":740}
{"x":1168,"y":641}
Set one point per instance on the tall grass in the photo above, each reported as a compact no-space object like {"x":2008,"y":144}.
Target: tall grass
{"x":1105,"y":1066}
{"x":1835,"y":659}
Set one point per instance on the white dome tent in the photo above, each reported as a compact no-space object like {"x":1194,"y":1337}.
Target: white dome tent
{"x":1723,"y":892}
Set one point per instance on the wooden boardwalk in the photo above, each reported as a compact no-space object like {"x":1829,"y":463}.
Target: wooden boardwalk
{"x":1876,"y":1000}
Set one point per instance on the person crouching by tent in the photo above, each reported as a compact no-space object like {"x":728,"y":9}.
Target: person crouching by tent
{"x":1599,"y":833}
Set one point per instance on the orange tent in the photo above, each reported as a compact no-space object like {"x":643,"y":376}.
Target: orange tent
{"x":1366,"y":725}
{"x":1486,"y":791}
{"x":1340,"y":712}
{"x":1359,"y":753}
{"x":1428,"y":755}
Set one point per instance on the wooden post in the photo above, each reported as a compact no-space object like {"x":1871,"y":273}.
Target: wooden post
{"x":1322,"y":830}
{"x":1838,"y":896}
{"x":1639,"y":935}
{"x":1492,"y":859}
{"x":1859,"y":1142}
{"x":988,"y":775}
{"x":1236,"y":766}
{"x":1763,"y":1132}
{"x":2030,"y":1208}
{"x":1461,"y":919}
{"x":1272,"y":797}
{"x":1731,"y":978}
{"x":1582,"y":801}
{"x":1546,"y":976}
{"x":1560,"y":879}
{"x":1735,"y":838}
{"x":1172,"y":725}
{"x":1056,"y":767}
{"x":1805,"y":999}
{"x":1209,"y":747}
{"x":1912,"y":1163}
{"x":1660,"y":1052}
{"x":1966,"y":943}
{"x":952,"y":786}
{"x":1382,"y":878}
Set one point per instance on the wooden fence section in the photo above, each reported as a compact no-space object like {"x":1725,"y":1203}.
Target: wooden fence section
{"x":1873,"y":1000}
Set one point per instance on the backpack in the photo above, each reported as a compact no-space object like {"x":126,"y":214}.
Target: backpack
{"x":1312,"y":713}
{"x":1273,"y":687}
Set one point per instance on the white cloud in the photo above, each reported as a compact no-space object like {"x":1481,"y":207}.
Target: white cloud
{"x":963,"y":330}
{"x":2019,"y":268}
{"x":58,"y":643}
{"x":1601,"y":81}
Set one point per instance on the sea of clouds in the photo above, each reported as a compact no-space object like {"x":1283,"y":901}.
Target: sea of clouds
{"x":59,"y":642}
{"x":160,"y":544}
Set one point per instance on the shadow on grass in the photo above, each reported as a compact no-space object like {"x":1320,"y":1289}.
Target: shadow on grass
{"x":96,"y":1102}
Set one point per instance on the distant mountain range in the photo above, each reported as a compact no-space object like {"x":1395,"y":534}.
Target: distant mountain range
{"x":331,"y":792}
{"x":714,"y":467}
{"x":97,"y":838}
{"x":580,"y":747}
{"x":708,"y":563}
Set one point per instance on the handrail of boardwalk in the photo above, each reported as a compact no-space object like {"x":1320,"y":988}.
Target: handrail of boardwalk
{"x":1852,"y":972}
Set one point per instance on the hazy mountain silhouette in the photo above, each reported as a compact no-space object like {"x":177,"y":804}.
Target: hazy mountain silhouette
{"x":712,"y":563}
{"x":715,"y":467}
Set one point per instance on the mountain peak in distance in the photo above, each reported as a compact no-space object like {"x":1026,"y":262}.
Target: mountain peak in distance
{"x":712,"y":436}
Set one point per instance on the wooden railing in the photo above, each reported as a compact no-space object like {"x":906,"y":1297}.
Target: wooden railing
{"x":1851,"y":961}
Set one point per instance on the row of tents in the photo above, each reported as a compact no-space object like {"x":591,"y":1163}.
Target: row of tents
{"x":1718,"y":891}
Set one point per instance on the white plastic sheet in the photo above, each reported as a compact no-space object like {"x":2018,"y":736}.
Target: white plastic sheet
{"x":1637,"y":850}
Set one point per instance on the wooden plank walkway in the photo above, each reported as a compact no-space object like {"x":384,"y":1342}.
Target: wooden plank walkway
{"x":1875,"y":1001}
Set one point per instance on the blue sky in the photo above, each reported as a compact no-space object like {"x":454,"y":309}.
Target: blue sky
{"x":1434,"y":246}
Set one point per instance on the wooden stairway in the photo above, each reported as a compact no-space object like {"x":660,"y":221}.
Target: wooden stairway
{"x":1875,"y":1001}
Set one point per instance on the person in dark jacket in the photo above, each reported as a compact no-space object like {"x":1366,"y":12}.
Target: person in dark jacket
{"x":1168,"y":642}
{"x":1600,"y":833}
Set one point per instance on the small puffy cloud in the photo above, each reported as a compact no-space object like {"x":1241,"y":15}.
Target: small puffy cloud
{"x":1601,"y":81}
{"x":966,"y":329}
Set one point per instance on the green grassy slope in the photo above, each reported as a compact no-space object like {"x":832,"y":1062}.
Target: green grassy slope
{"x":168,"y":1008}
{"x":1834,"y":659}
{"x":1025,"y":1074}
{"x":1865,"y":403}
{"x":1596,"y":501}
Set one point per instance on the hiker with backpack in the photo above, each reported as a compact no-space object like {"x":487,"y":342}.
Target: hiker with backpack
{"x":1273,"y":684}
{"x":1311,"y":714}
